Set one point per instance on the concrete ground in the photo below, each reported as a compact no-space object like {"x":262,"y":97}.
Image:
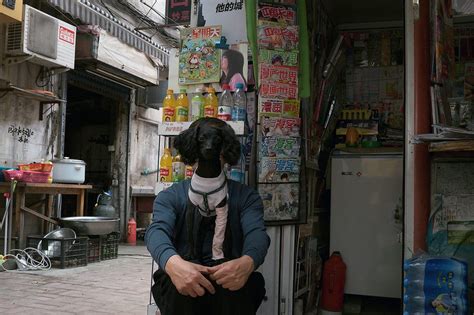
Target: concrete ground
{"x":117,"y":286}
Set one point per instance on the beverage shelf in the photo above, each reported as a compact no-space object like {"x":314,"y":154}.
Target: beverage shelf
{"x":175,"y":128}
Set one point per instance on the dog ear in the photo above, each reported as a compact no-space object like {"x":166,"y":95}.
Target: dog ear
{"x":231,"y":145}
{"x":187,"y":145}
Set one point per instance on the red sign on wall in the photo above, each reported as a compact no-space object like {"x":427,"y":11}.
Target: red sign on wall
{"x":66,"y":35}
{"x":178,"y":12}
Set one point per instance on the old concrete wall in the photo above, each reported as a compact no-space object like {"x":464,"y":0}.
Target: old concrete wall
{"x":144,"y":146}
{"x":23,"y":136}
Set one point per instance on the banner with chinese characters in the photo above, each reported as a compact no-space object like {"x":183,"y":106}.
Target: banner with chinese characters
{"x":230,"y":14}
{"x":279,"y":141}
{"x":277,"y":37}
{"x":279,"y":75}
{"x":178,"y":12}
{"x":199,"y":59}
{"x":274,"y":13}
{"x":279,"y":107}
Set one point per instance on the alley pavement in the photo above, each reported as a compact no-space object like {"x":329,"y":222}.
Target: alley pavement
{"x":117,"y":286}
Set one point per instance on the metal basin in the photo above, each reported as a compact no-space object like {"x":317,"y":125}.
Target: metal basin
{"x":54,"y":247}
{"x":91,"y":225}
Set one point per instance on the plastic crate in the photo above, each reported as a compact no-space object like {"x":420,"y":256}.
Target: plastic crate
{"x":3,"y":168}
{"x":63,"y":253}
{"x":37,"y":167}
{"x":93,"y":251}
{"x":35,"y":177}
{"x":109,"y":246}
{"x":8,"y":175}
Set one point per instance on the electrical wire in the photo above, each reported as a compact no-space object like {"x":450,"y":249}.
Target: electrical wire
{"x":146,"y":15}
{"x":28,"y":259}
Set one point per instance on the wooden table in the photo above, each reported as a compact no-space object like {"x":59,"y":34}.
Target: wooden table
{"x":23,"y":189}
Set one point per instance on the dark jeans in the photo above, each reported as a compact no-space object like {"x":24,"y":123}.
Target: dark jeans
{"x":245,"y":301}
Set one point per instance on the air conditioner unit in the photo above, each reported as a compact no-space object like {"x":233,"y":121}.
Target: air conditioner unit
{"x":49,"y":41}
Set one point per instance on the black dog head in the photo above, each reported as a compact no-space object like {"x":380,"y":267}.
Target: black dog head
{"x":208,"y":139}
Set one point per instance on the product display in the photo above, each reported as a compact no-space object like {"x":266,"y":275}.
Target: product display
{"x":166,"y":166}
{"x":239,"y":109}
{"x":197,"y":105}
{"x":226,"y":104}
{"x":211,"y":103}
{"x":169,"y":107}
{"x":182,"y":106}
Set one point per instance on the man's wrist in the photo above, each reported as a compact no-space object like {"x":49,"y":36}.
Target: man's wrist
{"x":170,"y":263}
{"x":249,"y":262}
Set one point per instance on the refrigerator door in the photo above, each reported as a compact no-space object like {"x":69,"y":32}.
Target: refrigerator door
{"x":366,"y":224}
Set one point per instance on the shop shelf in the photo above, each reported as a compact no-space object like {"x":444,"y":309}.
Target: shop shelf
{"x":175,"y":128}
{"x":63,"y":253}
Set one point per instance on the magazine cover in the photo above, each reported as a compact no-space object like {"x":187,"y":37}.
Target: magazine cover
{"x":280,"y":147}
{"x":279,"y":107}
{"x":280,"y":201}
{"x":278,"y":90}
{"x":278,"y":74}
{"x":277,"y":37}
{"x":276,"y":13}
{"x":276,"y":126}
{"x":199,"y":60}
{"x":278,"y":57}
{"x":275,"y":170}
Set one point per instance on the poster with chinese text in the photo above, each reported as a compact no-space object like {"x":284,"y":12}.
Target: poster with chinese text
{"x":279,"y":107}
{"x":228,"y":13}
{"x":276,"y":13}
{"x":199,"y":60}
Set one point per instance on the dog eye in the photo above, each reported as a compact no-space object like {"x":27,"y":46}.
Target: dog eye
{"x":201,"y":138}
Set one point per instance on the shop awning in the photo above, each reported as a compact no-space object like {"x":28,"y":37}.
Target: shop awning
{"x":91,"y":14}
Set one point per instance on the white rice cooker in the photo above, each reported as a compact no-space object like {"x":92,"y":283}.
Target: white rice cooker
{"x":69,"y":171}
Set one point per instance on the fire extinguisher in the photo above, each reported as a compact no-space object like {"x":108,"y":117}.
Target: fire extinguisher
{"x":132,"y":232}
{"x":334,"y":278}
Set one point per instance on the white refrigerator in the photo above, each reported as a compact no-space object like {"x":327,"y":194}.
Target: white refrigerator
{"x":366,"y":221}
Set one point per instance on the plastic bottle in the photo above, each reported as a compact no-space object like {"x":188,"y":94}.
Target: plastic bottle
{"x":239,"y":111}
{"x":169,"y":107}
{"x":189,"y":171}
{"x":197,"y":105}
{"x":178,"y":169}
{"x":432,"y":281}
{"x":166,"y":166}
{"x":334,"y":279}
{"x":210,"y":103}
{"x":226,"y":103}
{"x":182,"y":106}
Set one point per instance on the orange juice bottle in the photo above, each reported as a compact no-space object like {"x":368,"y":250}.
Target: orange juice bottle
{"x":182,"y":106}
{"x":166,"y":166}
{"x":169,"y":107}
{"x":211,"y":103}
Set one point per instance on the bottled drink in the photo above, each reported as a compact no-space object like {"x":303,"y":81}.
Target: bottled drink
{"x":210,"y":103}
{"x":169,"y":107}
{"x":226,"y":102}
{"x":435,"y":285}
{"x":178,"y":169}
{"x":182,"y":106}
{"x":189,"y":172}
{"x":197,"y":105}
{"x":239,"y":110}
{"x":166,"y":166}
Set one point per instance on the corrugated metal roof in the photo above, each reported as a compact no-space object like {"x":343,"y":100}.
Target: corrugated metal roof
{"x":94,"y":15}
